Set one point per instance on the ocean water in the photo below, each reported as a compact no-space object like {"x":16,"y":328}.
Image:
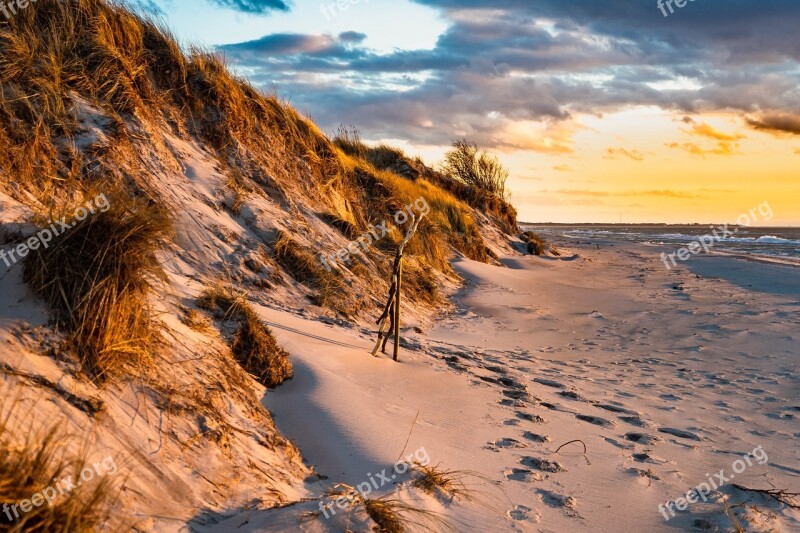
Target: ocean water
{"x":745,"y":240}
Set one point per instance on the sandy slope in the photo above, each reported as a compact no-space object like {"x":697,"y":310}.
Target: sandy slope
{"x":666,"y":376}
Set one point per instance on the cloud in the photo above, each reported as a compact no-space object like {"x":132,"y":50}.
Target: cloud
{"x":149,"y":7}
{"x":503,"y":65}
{"x":635,"y":155}
{"x":776,"y":122}
{"x":257,"y":7}
{"x":563,"y":168}
{"x":722,"y":148}
{"x":797,"y":151}
{"x":633,"y":193}
{"x":705,"y":130}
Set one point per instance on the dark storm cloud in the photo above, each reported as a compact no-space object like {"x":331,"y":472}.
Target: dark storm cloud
{"x":776,"y":122}
{"x":504,"y":61}
{"x":258,"y":7}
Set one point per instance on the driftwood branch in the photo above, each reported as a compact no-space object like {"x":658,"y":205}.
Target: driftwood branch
{"x":789,"y":499}
{"x":391,"y":311}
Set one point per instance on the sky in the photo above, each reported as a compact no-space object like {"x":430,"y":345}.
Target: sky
{"x":604,"y":111}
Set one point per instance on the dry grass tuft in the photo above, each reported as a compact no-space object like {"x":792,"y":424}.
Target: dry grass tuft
{"x":386,"y":514}
{"x":536,"y":244}
{"x":31,"y":466}
{"x":304,"y":267}
{"x":253,"y":345}
{"x":345,"y":227}
{"x":96,"y":277}
{"x":441,"y":482}
{"x":195,"y":320}
{"x":396,"y":516}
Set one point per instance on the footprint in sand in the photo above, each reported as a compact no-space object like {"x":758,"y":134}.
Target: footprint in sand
{"x":596,"y":420}
{"x":669,"y":397}
{"x":647,"y":474}
{"x":553,"y":499}
{"x":549,"y":383}
{"x":572,"y":396}
{"x":545,"y":465}
{"x":521,"y":512}
{"x":645,"y":457}
{"x":535,"y":437}
{"x":680,"y":433}
{"x":523,"y":475}
{"x":642,"y":438}
{"x":507,"y":443}
{"x":517,"y":395}
{"x":508,"y":402}
{"x":617,"y":409}
{"x":531,"y":417}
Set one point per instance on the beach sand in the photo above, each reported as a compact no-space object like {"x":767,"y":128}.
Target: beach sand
{"x":667,"y":376}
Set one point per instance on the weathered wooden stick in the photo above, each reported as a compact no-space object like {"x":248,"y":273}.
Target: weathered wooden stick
{"x":387,"y":312}
{"x":397,"y":309}
{"x":392,"y":310}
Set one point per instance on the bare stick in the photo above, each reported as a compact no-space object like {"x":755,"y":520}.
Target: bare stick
{"x":392,"y":309}
{"x":408,"y":439}
{"x":788,"y":499}
{"x":397,"y":309}
{"x":570,"y":442}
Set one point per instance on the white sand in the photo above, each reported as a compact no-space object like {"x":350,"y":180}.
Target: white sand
{"x":610,"y":339}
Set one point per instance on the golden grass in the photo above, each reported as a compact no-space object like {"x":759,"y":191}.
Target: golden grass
{"x":96,"y":279}
{"x":306,"y":268}
{"x":396,"y":516}
{"x":195,"y":320}
{"x":29,"y":466}
{"x":385,"y":513}
{"x":253,"y":345}
{"x":441,"y":482}
{"x":537,"y":245}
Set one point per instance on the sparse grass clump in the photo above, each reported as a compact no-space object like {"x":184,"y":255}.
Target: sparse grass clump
{"x":536,"y":245}
{"x":28,"y":467}
{"x":304,"y":267}
{"x":96,"y":278}
{"x":345,"y":227}
{"x":253,"y":345}
{"x":396,"y":516}
{"x":348,"y":140}
{"x":440,"y":482}
{"x":385,"y":513}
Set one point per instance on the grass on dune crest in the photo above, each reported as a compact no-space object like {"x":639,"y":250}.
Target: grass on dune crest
{"x":253,"y":345}
{"x":96,"y":278}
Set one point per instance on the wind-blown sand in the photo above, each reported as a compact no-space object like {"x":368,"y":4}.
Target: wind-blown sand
{"x":666,"y":376}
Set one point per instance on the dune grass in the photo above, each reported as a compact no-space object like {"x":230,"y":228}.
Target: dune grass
{"x":29,"y":465}
{"x":536,"y":245}
{"x":253,"y":345}
{"x":96,"y":278}
{"x":441,"y":482}
{"x":306,"y":268}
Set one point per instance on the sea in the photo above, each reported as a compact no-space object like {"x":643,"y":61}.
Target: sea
{"x":777,"y":242}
